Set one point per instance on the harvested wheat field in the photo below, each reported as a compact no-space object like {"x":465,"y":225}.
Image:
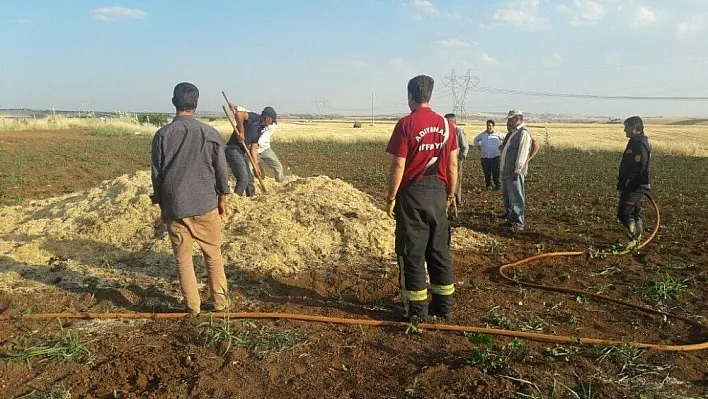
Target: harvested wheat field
{"x":83,"y":237}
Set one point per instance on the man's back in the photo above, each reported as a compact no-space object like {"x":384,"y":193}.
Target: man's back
{"x":419,"y":138}
{"x":188,"y":167}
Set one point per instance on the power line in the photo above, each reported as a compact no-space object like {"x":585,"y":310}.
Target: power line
{"x":461,"y":87}
{"x":373,"y":95}
{"x":320,"y":106}
{"x":497,"y":90}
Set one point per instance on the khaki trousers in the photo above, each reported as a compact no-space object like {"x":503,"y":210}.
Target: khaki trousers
{"x":206,"y":231}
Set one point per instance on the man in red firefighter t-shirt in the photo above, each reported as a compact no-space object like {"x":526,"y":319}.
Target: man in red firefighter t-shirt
{"x":421,"y":187}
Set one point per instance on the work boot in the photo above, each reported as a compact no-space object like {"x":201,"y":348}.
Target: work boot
{"x":631,"y":229}
{"x":417,"y":310}
{"x":441,"y":306}
{"x":640,"y":227}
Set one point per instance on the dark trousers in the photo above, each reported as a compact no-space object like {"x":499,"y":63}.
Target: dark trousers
{"x":423,"y":237}
{"x":629,"y":206}
{"x":490,"y":166}
{"x":241,"y":167}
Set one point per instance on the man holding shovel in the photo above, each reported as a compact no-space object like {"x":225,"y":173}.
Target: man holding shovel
{"x":249,"y":127}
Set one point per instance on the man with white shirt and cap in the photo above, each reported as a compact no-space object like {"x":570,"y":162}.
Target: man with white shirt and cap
{"x":267,"y":155}
{"x":514,"y":166}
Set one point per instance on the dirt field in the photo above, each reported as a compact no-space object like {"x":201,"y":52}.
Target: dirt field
{"x":571,"y":207}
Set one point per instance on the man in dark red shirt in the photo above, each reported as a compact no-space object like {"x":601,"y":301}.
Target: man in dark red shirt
{"x":421,"y":187}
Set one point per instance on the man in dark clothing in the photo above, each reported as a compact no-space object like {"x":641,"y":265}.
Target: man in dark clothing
{"x":190,"y":182}
{"x":250,"y":127}
{"x":423,"y":174}
{"x":633,"y":180}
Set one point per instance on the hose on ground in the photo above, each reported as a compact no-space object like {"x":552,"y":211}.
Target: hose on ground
{"x":553,"y":338}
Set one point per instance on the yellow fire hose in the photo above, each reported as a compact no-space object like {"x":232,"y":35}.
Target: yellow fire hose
{"x":433,"y":326}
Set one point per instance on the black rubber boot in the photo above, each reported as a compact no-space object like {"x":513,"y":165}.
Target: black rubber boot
{"x":631,"y":229}
{"x":442,"y":305}
{"x":417,"y":310}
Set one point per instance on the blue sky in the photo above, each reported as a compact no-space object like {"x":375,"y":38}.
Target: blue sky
{"x":128,"y":55}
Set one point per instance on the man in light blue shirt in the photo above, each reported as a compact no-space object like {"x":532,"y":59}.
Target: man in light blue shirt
{"x":488,"y":142}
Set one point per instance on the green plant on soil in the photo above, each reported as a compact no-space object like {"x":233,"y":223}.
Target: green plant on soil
{"x":491,"y":358}
{"x":583,"y":390}
{"x":495,"y":317}
{"x":219,"y":334}
{"x":530,"y":390}
{"x":667,"y":289}
{"x":67,"y":348}
{"x":109,"y":131}
{"x":154,"y":119}
{"x":627,"y":358}
{"x":58,"y":392}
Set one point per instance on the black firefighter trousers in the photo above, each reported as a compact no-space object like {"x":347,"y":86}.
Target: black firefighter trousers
{"x":629,"y":205}
{"x":423,"y":237}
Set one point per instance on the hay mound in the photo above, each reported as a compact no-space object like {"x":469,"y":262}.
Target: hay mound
{"x":305,"y":221}
{"x":113,"y":232}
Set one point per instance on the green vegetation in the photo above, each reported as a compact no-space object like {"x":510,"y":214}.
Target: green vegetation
{"x":57,"y":392}
{"x":67,"y":348}
{"x":158,"y":120}
{"x":219,"y":334}
{"x":491,"y":358}
{"x":495,"y":317}
{"x":666,"y":289}
{"x":112,"y":131}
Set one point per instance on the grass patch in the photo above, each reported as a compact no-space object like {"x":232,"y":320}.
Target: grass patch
{"x":491,"y":358}
{"x":628,"y":359}
{"x":665,"y":290}
{"x":113,"y":131}
{"x":58,"y":392}
{"x":528,"y":389}
{"x":67,"y":348}
{"x":496,"y":318}
{"x":219,"y":334}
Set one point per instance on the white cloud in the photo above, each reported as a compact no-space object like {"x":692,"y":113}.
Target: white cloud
{"x":399,"y":64}
{"x":523,"y":14}
{"x":612,"y":58}
{"x":452,"y":43}
{"x":553,"y":59}
{"x":417,"y":9}
{"x":358,"y":63}
{"x":24,"y":22}
{"x":112,"y":13}
{"x":691,"y":28}
{"x":452,"y":15}
{"x":424,"y":6}
{"x":643,"y":16}
{"x":486,"y":59}
{"x":584,"y":12}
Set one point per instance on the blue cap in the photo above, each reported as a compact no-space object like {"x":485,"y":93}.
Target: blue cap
{"x":269,"y":111}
